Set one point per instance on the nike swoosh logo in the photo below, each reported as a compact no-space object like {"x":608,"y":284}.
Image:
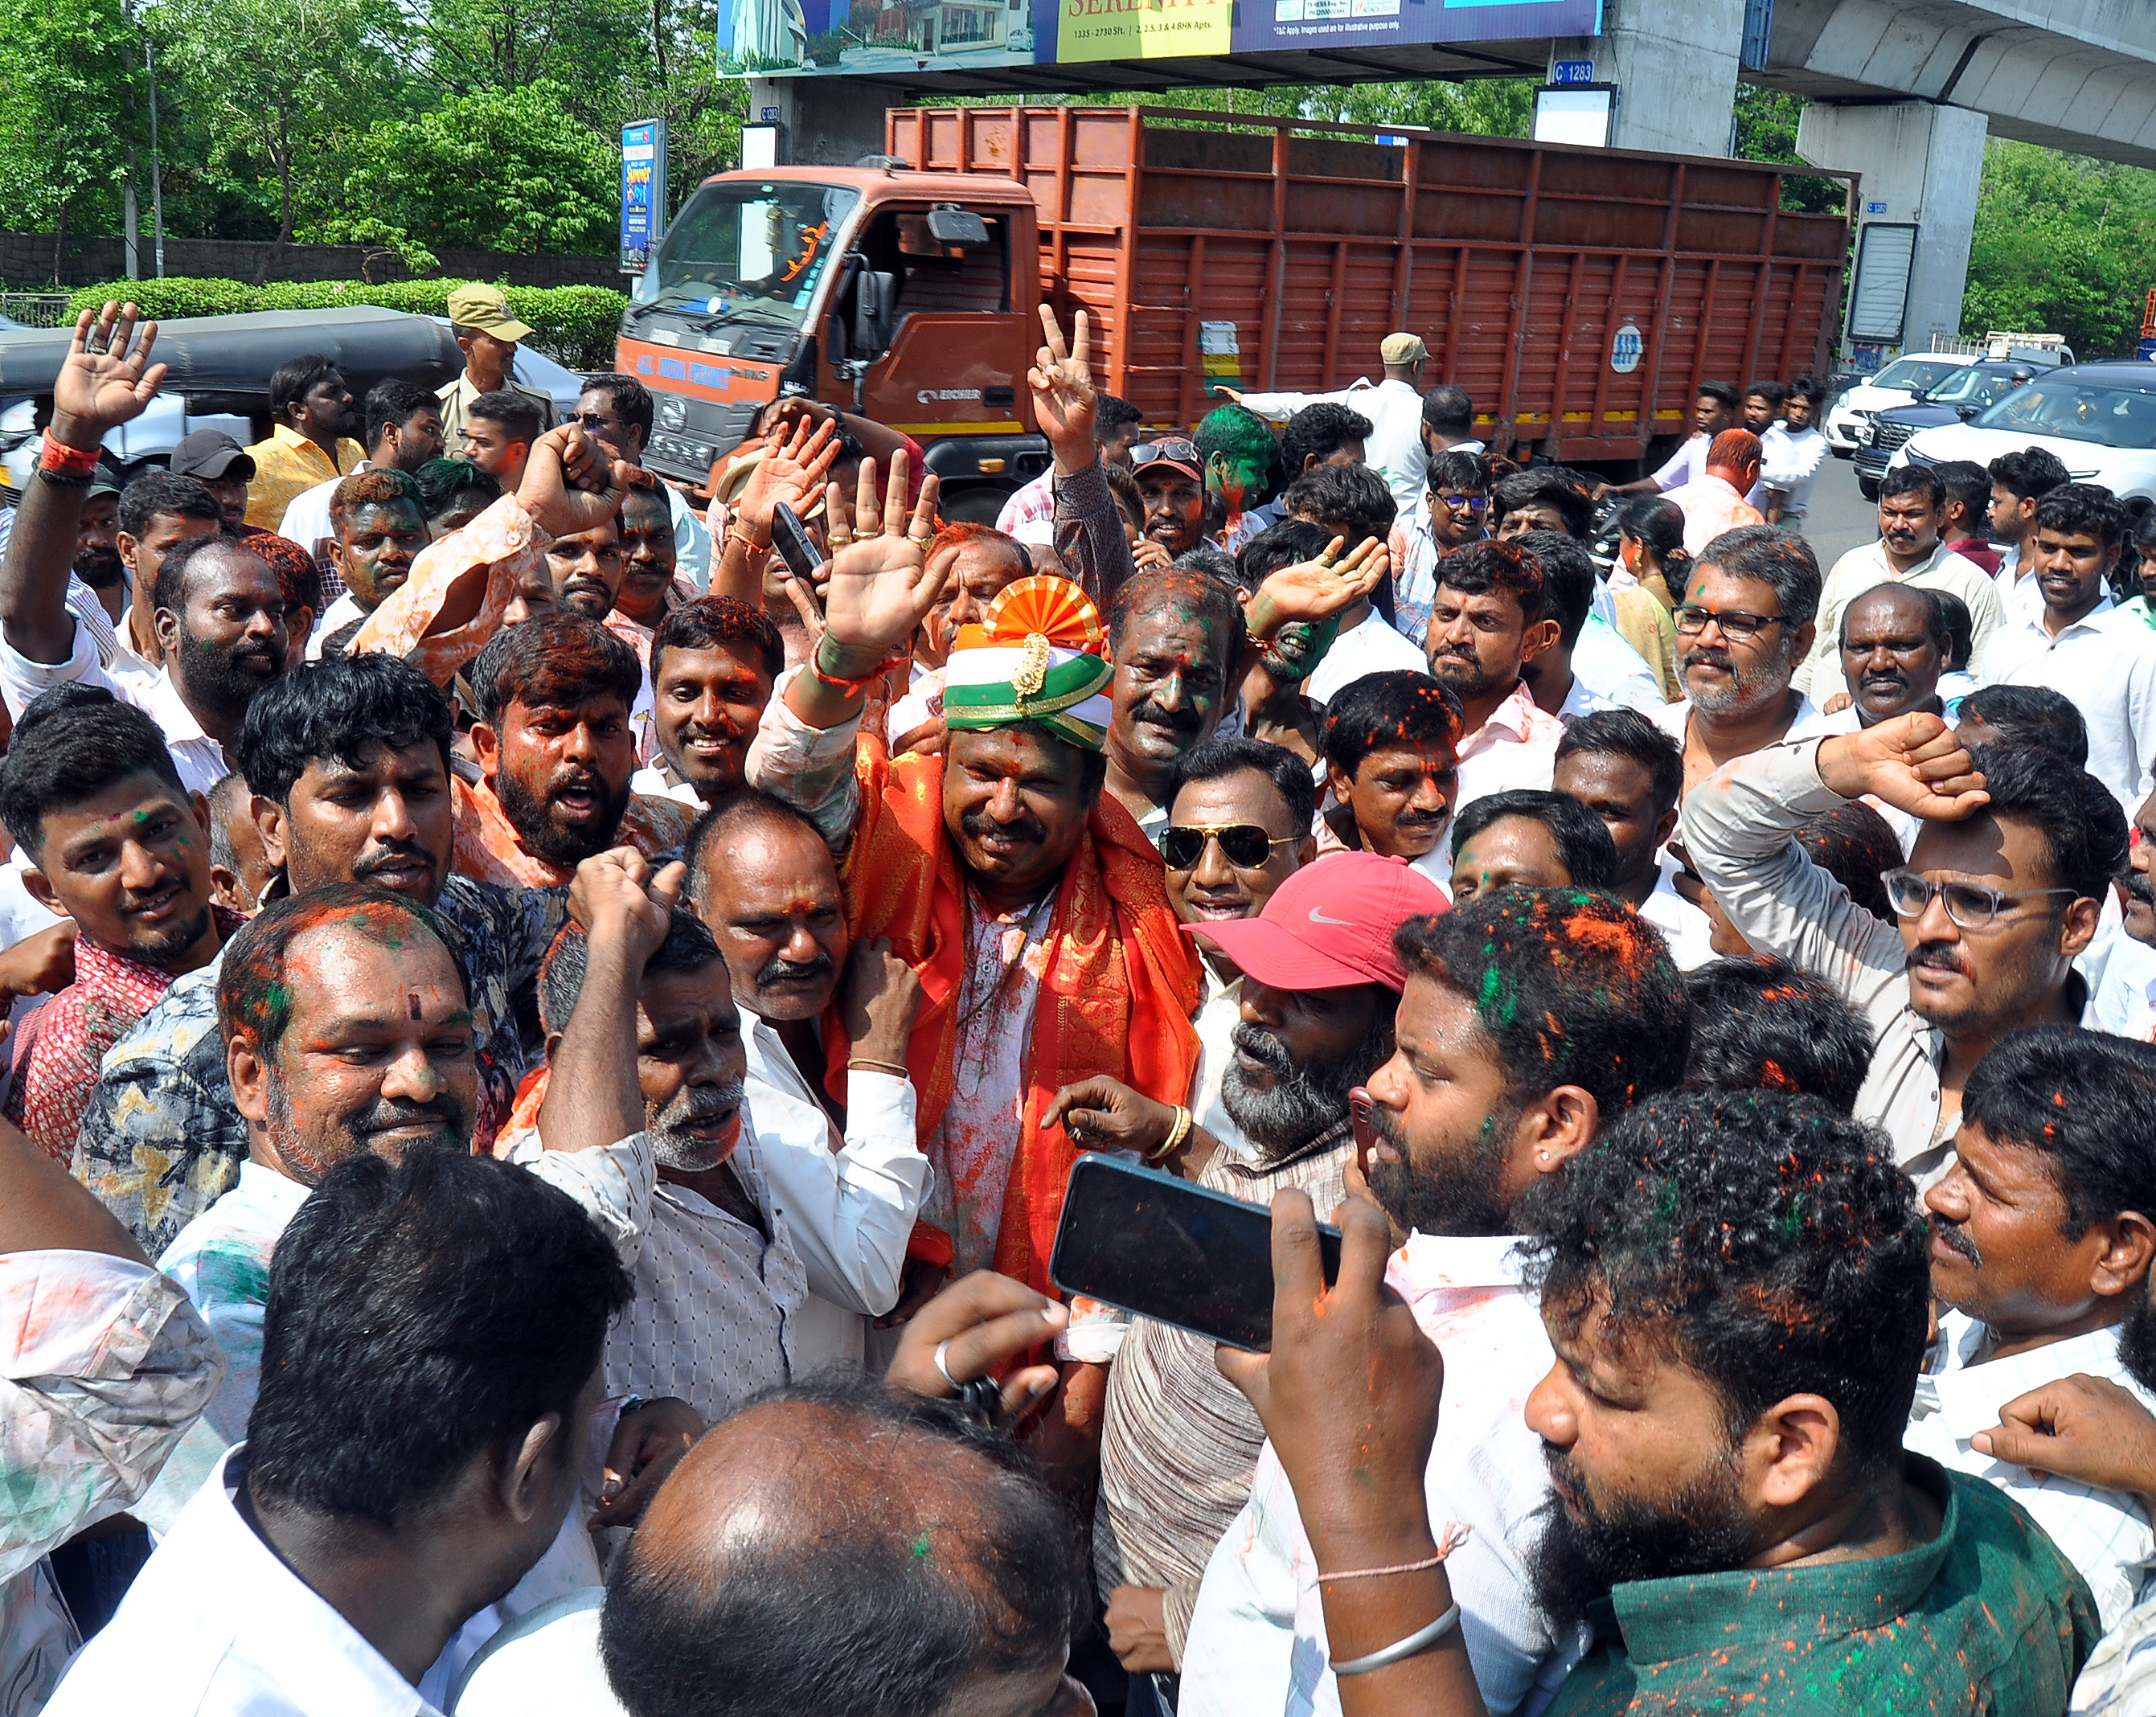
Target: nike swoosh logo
{"x":1317,"y":917}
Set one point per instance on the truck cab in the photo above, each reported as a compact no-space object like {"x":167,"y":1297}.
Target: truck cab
{"x":908,"y":297}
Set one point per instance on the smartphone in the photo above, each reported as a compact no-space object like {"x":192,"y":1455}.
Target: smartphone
{"x":1165,"y":1249}
{"x":791,"y":538}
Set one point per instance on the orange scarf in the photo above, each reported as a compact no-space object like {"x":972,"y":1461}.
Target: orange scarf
{"x":1116,"y":995}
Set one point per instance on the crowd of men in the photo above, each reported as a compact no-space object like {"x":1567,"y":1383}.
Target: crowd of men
{"x":548,"y":1043}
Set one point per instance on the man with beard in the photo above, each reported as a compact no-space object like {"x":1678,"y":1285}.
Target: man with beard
{"x":1894,"y":646}
{"x":404,"y":433}
{"x":1485,"y":627}
{"x":313,"y":418}
{"x":1743,"y":624}
{"x":644,"y":1048}
{"x":348,"y":764}
{"x":649,"y":559}
{"x":1320,"y":984}
{"x":2041,"y":1246}
{"x":1474,"y":1116}
{"x":2079,"y":642}
{"x":838,"y":1151}
{"x":713,"y":662}
{"x":554,"y":746}
{"x":1910,"y":550}
{"x":98,"y":571}
{"x":378,"y":526}
{"x":2003,"y":890}
{"x":1735,"y":1287}
{"x":1176,"y":639}
{"x":1172,"y":478}
{"x":585,"y":569}
{"x":90,"y":794}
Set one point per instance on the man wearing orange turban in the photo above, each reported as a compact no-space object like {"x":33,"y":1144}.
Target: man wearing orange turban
{"x":1027,"y":900}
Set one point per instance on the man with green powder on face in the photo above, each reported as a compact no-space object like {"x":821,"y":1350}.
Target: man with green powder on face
{"x":1237,"y":449}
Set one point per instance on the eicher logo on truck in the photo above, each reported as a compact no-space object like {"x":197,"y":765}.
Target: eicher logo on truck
{"x":926,"y":394}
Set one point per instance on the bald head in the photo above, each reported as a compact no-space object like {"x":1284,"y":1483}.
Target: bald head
{"x":1893,"y":648}
{"x":840,"y":1551}
{"x":762,"y":878}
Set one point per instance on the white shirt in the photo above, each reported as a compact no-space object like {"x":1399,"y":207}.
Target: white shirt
{"x":713,"y":1321}
{"x":306,"y":519}
{"x":2019,"y":597}
{"x":849,"y":1201}
{"x":217,"y":1625}
{"x":84,"y":604}
{"x":545,"y":1664}
{"x":1516,"y":747}
{"x":1790,"y":460}
{"x":1612,"y":671}
{"x":692,"y":539}
{"x":342,"y":611}
{"x":1369,"y":646}
{"x":1688,"y":465}
{"x":650,"y":782}
{"x":1675,"y":720}
{"x":1257,"y":1638}
{"x":2104,"y":664}
{"x":1215,"y":1025}
{"x":1684,"y":926}
{"x":2105,"y":1533}
{"x":2121,"y":980}
{"x":1395,"y":443}
{"x":199,"y":758}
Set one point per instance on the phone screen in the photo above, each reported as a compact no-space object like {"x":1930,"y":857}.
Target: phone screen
{"x":1165,"y":1249}
{"x":793,"y":544}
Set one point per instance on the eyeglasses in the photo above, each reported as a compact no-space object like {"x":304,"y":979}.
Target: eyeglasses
{"x":1244,"y":844}
{"x":1472,"y":503}
{"x":592,"y":421}
{"x":1969,"y":904}
{"x":1176,"y":448}
{"x":1736,"y":624}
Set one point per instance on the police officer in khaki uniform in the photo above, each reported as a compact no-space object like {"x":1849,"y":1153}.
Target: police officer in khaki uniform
{"x":487,"y":335}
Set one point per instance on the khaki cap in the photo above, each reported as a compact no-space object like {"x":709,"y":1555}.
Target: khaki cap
{"x":1398,"y":349}
{"x":476,"y":305}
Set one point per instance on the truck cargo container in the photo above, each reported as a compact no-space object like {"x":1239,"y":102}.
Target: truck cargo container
{"x":1579,"y":296}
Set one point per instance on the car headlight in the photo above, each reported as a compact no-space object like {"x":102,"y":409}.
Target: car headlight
{"x":1868,"y":436}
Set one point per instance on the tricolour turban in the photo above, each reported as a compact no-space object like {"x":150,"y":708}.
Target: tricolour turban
{"x":1039,"y":655}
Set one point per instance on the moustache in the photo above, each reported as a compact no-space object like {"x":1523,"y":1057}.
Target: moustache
{"x":698,"y":1104}
{"x":390,"y":856}
{"x":1944,"y":954}
{"x":782,"y":970}
{"x":1954,"y":1236}
{"x":571,"y":780}
{"x":389,"y":1114}
{"x":2138,"y":887}
{"x":258,"y":652}
{"x":1182,"y":720}
{"x":1262,"y":1047}
{"x":980,"y":825}
{"x":1709,"y":658}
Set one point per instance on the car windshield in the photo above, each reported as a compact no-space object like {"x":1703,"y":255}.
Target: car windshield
{"x":751,"y":251}
{"x":2077,"y":410}
{"x":1913,"y":373}
{"x":1971,"y":386}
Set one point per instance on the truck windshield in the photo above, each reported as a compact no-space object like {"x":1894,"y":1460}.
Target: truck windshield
{"x":2075,"y":410}
{"x":752,"y":250}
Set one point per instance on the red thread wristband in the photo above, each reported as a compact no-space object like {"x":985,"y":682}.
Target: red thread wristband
{"x":70,"y":461}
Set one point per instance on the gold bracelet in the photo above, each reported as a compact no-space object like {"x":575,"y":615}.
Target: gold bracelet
{"x":1176,"y":1135}
{"x":868,"y":1064}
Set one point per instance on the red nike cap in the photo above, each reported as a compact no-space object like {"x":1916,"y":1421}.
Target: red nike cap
{"x":1329,"y":925}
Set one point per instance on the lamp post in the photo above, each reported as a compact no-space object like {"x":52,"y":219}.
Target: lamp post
{"x":156,"y":179}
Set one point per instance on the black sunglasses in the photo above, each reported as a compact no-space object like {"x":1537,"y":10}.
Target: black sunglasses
{"x":1246,"y":845}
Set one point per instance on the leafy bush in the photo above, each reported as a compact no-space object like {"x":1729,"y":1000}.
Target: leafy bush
{"x":574,"y":325}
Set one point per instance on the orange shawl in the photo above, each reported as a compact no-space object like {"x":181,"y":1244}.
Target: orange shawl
{"x":1116,"y":996}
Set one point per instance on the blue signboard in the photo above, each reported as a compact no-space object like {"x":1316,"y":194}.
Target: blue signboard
{"x":1572,"y":71}
{"x":643,"y":192}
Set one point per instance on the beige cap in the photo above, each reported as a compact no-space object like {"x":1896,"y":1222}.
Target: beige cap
{"x":1404,"y":349}
{"x":476,"y":305}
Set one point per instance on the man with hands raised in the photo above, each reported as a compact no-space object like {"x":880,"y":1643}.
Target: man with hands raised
{"x":2002,"y":890}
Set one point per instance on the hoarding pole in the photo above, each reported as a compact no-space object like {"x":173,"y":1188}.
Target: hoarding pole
{"x":157,"y":177}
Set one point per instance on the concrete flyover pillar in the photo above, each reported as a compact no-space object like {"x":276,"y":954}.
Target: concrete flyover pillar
{"x":1674,"y":62}
{"x":1921,"y":166}
{"x":823,"y":120}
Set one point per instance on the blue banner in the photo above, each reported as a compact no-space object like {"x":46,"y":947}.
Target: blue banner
{"x":643,"y":192}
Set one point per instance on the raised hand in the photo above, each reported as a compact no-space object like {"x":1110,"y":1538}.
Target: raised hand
{"x":881,"y":586}
{"x":1915,"y":763}
{"x":569,"y":485}
{"x":878,"y":1001}
{"x":616,"y":894}
{"x":793,"y":470}
{"x":1317,"y":590}
{"x":1062,"y":398}
{"x":106,"y":379}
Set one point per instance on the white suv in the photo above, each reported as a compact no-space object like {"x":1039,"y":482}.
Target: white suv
{"x":2100,"y":419}
{"x":1896,"y":385}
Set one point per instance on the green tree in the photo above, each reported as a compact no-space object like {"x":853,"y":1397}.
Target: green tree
{"x":69,"y":71}
{"x":497,"y":169}
{"x":1767,"y":131}
{"x":282,"y":86}
{"x":2064,"y":245}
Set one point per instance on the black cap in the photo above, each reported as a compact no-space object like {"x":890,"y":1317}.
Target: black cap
{"x":212,"y":455}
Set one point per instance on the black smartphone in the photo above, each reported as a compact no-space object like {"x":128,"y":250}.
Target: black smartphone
{"x":1165,"y":1249}
{"x":795,"y":546}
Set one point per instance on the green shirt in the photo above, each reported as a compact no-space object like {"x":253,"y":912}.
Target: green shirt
{"x":1988,"y":1618}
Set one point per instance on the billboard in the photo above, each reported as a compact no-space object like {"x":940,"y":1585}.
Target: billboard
{"x":855,"y":37}
{"x":642,"y":191}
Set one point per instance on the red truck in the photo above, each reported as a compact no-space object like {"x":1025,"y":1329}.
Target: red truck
{"x":1578,"y":294}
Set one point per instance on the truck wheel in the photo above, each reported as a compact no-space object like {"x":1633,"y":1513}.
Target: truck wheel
{"x":1868,"y":487}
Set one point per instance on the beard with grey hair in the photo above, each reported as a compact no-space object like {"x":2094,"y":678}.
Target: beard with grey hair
{"x":1301,"y":1102}
{"x":675,"y":1147}
{"x":1750,"y":688}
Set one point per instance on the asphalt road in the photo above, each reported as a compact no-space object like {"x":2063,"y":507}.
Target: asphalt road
{"x":1840,"y":518}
